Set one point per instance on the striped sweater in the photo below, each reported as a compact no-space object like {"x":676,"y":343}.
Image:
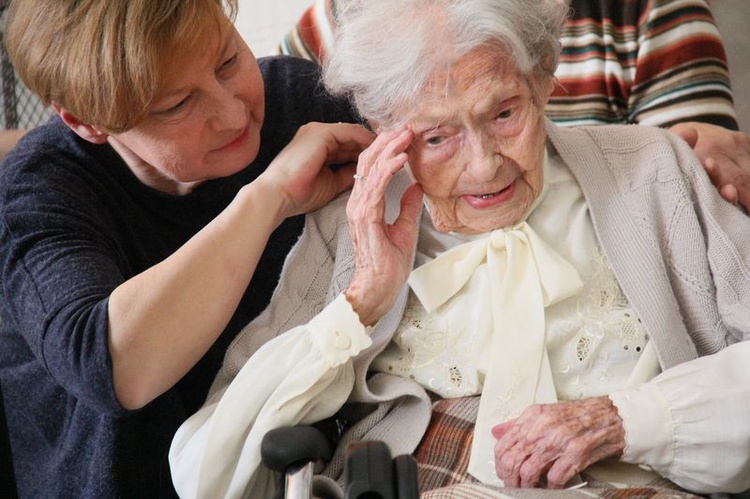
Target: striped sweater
{"x":654,"y":62}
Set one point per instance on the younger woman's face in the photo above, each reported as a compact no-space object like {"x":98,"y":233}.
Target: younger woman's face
{"x":205,"y":124}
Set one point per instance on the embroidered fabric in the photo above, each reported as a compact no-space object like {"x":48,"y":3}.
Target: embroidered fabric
{"x":594,"y":341}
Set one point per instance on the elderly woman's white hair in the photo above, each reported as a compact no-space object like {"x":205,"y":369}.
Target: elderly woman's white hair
{"x":386,"y":50}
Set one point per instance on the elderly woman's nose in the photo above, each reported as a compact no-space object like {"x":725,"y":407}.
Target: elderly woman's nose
{"x":484,"y":160}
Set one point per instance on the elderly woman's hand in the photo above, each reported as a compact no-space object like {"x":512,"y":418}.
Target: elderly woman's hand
{"x":725,"y":155}
{"x":384,"y":252}
{"x":300,"y":175}
{"x":547,"y":445}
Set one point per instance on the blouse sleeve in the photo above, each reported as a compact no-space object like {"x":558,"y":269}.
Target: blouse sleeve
{"x":690,"y":423}
{"x":216,"y":453}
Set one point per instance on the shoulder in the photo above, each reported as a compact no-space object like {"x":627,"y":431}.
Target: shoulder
{"x":332,"y":224}
{"x":294,"y":86}
{"x":288,"y":70}
{"x":50,"y":155}
{"x":627,"y":158}
{"x":331,"y":221}
{"x":47,"y":139}
{"x":295,"y":95}
{"x":628,"y":145}
{"x":54,"y":177}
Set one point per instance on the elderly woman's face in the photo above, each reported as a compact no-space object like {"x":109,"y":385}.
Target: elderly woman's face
{"x":479,"y":145}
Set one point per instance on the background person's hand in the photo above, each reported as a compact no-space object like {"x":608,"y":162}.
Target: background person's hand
{"x":548,"y":444}
{"x":725,"y":154}
{"x":384,"y":252}
{"x":301,"y":175}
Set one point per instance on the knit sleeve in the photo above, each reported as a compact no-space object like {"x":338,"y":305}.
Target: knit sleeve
{"x":59,"y":264}
{"x":690,"y":423}
{"x":655,"y":63}
{"x":681,"y":69}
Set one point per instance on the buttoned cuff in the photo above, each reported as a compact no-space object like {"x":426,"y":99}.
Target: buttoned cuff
{"x":337,"y":332}
{"x":649,"y":435}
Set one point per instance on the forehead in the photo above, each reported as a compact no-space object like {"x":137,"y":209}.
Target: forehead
{"x":475,"y":83}
{"x":184,"y":62}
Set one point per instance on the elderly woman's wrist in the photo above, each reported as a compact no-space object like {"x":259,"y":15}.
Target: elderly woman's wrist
{"x":356,"y":296}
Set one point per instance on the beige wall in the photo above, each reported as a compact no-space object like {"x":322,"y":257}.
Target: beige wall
{"x":733,"y":17}
{"x":263,"y":23}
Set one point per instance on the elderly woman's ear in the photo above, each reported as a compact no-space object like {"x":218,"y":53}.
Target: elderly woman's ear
{"x":546,"y":87}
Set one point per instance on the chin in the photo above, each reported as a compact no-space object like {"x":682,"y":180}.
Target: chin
{"x":252,"y":149}
{"x":481,"y":225}
{"x":243,"y":158}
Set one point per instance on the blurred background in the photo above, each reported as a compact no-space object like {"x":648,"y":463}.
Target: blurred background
{"x":733,"y":18}
{"x":263,"y":23}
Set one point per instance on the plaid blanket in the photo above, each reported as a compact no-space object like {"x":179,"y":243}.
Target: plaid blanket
{"x":443,"y":458}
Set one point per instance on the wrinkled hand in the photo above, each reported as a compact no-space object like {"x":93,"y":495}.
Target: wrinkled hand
{"x":548,"y":444}
{"x":384,"y":252}
{"x":300,"y":174}
{"x":725,"y":155}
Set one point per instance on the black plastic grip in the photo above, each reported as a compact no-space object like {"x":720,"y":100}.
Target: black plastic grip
{"x":289,"y":445}
{"x":369,"y":471}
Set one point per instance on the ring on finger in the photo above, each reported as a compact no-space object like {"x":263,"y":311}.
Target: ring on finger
{"x":359,"y":176}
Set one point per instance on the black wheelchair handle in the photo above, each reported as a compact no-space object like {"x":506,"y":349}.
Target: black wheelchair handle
{"x":283,"y":447}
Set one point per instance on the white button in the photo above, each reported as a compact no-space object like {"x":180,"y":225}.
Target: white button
{"x":342,"y":342}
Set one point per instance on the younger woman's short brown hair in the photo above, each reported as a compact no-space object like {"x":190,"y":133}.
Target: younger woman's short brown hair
{"x":105,"y":60}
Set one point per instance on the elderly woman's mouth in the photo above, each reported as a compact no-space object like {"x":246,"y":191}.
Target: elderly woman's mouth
{"x":491,"y":198}
{"x":488,"y":196}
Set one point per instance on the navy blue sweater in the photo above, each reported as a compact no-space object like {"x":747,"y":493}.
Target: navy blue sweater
{"x":74,"y":224}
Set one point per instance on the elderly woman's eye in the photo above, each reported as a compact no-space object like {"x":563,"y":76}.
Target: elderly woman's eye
{"x":505,"y":114}
{"x":433,"y":141}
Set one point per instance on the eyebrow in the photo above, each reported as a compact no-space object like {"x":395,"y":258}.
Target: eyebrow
{"x":428,"y":129}
{"x":430,"y":122}
{"x":181,"y":90}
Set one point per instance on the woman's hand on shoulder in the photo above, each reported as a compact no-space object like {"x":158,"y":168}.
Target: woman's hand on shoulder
{"x":384,"y":252}
{"x":302,"y":173}
{"x":725,"y":154}
{"x":548,"y":444}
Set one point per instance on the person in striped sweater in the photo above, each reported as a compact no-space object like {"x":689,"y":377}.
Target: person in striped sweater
{"x":649,"y":62}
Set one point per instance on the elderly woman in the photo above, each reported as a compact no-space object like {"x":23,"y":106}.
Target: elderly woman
{"x":164,"y":181}
{"x":590,"y":284}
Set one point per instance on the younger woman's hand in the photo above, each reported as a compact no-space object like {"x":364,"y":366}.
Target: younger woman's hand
{"x":384,"y":252}
{"x":725,"y":154}
{"x":301,"y":175}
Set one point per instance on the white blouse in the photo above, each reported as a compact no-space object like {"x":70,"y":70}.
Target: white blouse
{"x":595,"y":341}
